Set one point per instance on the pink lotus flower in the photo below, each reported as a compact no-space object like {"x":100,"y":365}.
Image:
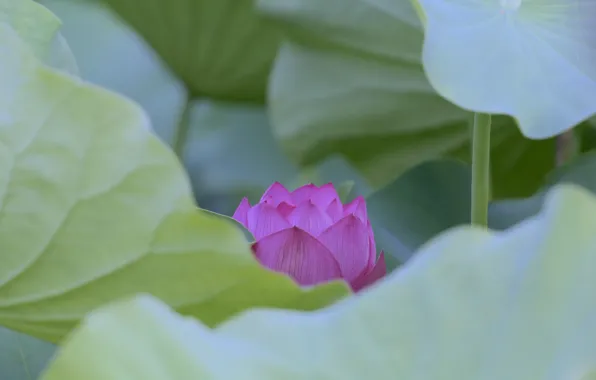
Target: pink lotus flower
{"x":311,"y":236}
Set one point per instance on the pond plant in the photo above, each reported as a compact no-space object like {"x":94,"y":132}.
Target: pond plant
{"x":454,"y":111}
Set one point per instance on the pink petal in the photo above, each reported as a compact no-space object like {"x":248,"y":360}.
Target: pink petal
{"x":303,"y":193}
{"x":275,"y":194}
{"x":324,"y":196}
{"x":357,"y":207}
{"x":368,"y":278}
{"x":349,"y":242}
{"x":285,"y":209}
{"x":264,"y":219}
{"x":298,"y":254}
{"x":335,"y":210}
{"x":241,"y":212}
{"x":308,"y":217}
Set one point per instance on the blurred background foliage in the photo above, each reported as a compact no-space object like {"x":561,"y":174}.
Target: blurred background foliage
{"x":248,"y":93}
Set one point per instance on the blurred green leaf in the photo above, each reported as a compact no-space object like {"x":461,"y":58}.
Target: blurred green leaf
{"x":344,"y":190}
{"x":533,"y":60}
{"x":93,"y":207}
{"x":580,"y":171}
{"x":232,"y":154}
{"x":39,"y":28}
{"x":435,"y":196}
{"x":111,"y":55}
{"x":219,"y":48}
{"x":34,"y":24}
{"x":422,"y":203}
{"x":473,"y":304}
{"x":22,"y":357}
{"x":230,"y":146}
{"x":61,"y":57}
{"x":349,"y":80}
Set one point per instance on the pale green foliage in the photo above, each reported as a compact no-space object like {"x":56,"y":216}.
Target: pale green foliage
{"x":93,"y":207}
{"x":34,"y":24}
{"x":472,"y":304}
{"x":533,"y":60}
{"x":39,"y":28}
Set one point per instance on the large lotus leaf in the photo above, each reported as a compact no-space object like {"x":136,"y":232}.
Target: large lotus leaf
{"x":39,"y":28}
{"x":112,"y":55}
{"x":349,"y":80}
{"x":533,"y":60}
{"x":34,"y":24}
{"x":219,"y":48}
{"x":22,"y":357}
{"x":473,"y":304}
{"x":94,"y":207}
{"x":407,"y":208}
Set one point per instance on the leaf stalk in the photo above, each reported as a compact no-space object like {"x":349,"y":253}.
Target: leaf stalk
{"x":480,"y":168}
{"x":181,"y":135}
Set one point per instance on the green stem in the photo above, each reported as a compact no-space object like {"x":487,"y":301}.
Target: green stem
{"x":182,"y":130}
{"x":480,"y":168}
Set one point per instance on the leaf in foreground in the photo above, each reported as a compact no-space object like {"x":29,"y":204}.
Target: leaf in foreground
{"x":473,"y":303}
{"x":39,"y":29}
{"x":94,"y":207}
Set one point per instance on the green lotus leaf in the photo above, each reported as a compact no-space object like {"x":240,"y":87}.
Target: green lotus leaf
{"x":23,"y":357}
{"x":110,"y":54}
{"x":473,"y":304}
{"x":34,"y":24}
{"x":218,"y":129}
{"x":219,"y":48}
{"x":349,"y":80}
{"x":39,"y":28}
{"x":533,"y":60}
{"x":93,"y":207}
